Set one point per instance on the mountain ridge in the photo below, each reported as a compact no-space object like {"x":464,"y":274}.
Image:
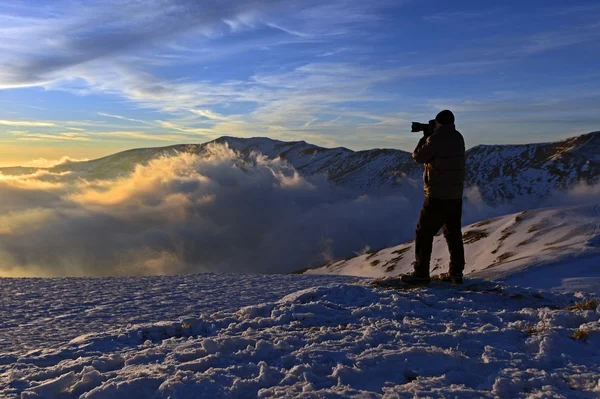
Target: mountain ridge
{"x":502,"y":173}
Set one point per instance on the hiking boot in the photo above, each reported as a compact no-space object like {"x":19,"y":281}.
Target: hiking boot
{"x":450,"y":278}
{"x":415,"y":279}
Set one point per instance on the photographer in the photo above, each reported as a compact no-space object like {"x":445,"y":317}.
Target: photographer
{"x":442,"y":150}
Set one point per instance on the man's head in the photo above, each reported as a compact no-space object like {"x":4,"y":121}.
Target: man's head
{"x":445,"y":117}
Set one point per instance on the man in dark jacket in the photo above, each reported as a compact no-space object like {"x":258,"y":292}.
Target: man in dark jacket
{"x":443,"y":154}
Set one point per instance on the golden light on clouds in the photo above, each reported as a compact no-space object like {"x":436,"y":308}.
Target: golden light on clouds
{"x":26,"y":123}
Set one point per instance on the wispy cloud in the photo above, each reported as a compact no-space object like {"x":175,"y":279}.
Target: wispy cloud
{"x":134,"y":25}
{"x":68,"y":136}
{"x":49,"y":163}
{"x":26,"y":123}
{"x":289,"y":31}
{"x":208,"y":114}
{"x":126,"y":119}
{"x":143,"y":136}
{"x":206,"y":68}
{"x":184,"y":129}
{"x":464,"y":16}
{"x":593,"y":8}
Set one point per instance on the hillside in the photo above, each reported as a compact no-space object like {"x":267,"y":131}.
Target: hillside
{"x":502,"y":173}
{"x":505,"y":172}
{"x":545,"y":248}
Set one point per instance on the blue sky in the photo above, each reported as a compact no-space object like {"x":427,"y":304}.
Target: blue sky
{"x":84,"y":79}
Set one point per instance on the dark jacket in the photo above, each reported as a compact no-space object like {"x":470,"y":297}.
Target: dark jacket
{"x":443,"y":154}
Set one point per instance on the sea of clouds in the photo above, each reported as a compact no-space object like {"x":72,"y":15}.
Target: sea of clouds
{"x":189,"y":213}
{"x":216,"y":212}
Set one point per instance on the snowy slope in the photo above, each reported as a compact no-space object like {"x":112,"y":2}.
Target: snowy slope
{"x":334,"y":340}
{"x":38,"y":313}
{"x":505,"y":172}
{"x":527,"y":242}
{"x":502,"y":173}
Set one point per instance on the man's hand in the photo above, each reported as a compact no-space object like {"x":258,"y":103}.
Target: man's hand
{"x":425,"y":150}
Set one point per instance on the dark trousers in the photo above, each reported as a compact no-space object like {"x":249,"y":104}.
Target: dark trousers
{"x":435,"y":214}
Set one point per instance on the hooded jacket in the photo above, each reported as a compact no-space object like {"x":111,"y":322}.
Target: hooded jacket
{"x":443,"y":154}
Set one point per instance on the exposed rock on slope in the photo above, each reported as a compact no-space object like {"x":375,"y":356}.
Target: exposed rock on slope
{"x":564,"y":242}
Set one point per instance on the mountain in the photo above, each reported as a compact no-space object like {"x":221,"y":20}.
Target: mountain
{"x":502,"y":173}
{"x":545,"y":248}
{"x":505,"y":172}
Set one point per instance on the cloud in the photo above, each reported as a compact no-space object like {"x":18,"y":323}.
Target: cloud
{"x":49,"y":163}
{"x":476,"y":209}
{"x":221,"y":212}
{"x":208,"y":114}
{"x":289,"y":31}
{"x":463,"y":16}
{"x":142,"y":136}
{"x":125,"y":119}
{"x":135,"y":37}
{"x":126,"y":26}
{"x":83,"y":34}
{"x":161,"y":55}
{"x":67,"y":136}
{"x":26,"y":123}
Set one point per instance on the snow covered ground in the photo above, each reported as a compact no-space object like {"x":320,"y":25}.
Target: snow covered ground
{"x":37,"y":313}
{"x":325,"y":336}
{"x":343,"y":338}
{"x":550,"y":248}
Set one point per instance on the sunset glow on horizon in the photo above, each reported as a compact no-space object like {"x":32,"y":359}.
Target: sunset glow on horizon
{"x":87,"y":79}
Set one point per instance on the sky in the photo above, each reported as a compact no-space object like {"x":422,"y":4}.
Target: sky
{"x":84,"y":79}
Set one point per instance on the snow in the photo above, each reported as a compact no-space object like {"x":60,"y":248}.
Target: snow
{"x":543,"y":248}
{"x":73,"y":307}
{"x":316,"y":336}
{"x":334,"y":339}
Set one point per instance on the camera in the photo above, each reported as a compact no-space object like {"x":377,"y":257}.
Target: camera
{"x":426,"y":128}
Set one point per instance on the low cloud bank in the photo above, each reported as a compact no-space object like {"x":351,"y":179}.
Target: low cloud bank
{"x":188,"y":213}
{"x":219,"y":212}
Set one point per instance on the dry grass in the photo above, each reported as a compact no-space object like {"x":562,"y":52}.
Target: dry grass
{"x":483,"y":223}
{"x":401,"y":251}
{"x":505,"y":256}
{"x":519,"y":218}
{"x":377,"y":281}
{"x":533,"y":329}
{"x":473,"y":236}
{"x":580,"y":335}
{"x":391,"y":264}
{"x":591,"y":304}
{"x":506,"y":235}
{"x":373,"y":253}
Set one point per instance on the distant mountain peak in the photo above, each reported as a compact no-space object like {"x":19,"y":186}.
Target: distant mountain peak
{"x":501,"y":173}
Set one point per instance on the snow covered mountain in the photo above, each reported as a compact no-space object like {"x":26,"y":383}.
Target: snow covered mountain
{"x":544,"y":248}
{"x":505,"y":172}
{"x":502,"y":173}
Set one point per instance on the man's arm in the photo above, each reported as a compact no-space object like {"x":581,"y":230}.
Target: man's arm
{"x":424,"y":151}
